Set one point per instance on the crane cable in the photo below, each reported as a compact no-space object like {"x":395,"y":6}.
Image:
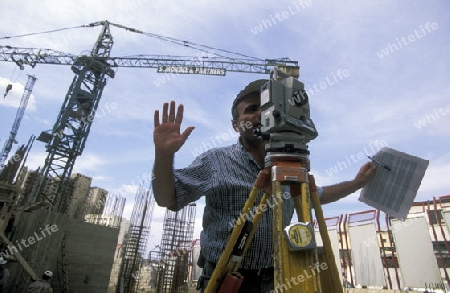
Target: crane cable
{"x":203,"y":48}
{"x":180,"y":42}
{"x":40,"y":33}
{"x":191,"y":45}
{"x":12,"y":80}
{"x":9,"y":86}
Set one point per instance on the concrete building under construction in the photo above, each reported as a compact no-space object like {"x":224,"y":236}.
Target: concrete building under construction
{"x":85,"y":240}
{"x":36,"y":239}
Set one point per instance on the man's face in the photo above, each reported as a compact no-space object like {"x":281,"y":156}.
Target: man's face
{"x":249,"y":116}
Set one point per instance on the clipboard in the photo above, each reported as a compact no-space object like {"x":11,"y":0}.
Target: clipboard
{"x":395,"y":183}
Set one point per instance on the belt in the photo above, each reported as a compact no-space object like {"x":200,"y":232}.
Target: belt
{"x":262,"y":272}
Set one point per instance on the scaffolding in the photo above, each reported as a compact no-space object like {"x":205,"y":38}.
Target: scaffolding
{"x":176,"y":247}
{"x":12,"y":181}
{"x":136,"y":240}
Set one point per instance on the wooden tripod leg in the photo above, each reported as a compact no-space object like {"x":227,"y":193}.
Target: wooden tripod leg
{"x":334,"y":279}
{"x":230,"y":262}
{"x":296,"y":270}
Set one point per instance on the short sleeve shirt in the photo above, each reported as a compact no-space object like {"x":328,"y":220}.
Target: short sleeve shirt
{"x":225,"y":177}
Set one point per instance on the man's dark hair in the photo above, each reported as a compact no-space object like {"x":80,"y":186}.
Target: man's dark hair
{"x":251,"y":88}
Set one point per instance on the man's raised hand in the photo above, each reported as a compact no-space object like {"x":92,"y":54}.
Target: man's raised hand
{"x":166,"y":135}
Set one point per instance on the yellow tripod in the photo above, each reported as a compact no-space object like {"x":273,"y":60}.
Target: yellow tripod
{"x":298,"y":265}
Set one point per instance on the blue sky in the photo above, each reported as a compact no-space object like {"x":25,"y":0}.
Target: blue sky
{"x":394,"y":91}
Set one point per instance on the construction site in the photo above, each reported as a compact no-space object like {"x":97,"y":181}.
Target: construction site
{"x":55,"y":220}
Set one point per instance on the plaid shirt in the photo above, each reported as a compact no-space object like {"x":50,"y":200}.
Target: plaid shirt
{"x":225,"y":177}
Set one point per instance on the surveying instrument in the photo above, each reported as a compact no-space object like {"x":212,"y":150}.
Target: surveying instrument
{"x":300,"y":266}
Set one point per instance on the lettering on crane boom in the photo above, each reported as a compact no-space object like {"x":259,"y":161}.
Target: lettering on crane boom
{"x":191,"y":70}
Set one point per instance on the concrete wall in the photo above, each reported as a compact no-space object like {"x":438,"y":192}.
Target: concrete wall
{"x":90,"y":255}
{"x":115,"y":271}
{"x":88,"y":252}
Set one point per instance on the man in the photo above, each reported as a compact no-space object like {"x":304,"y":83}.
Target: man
{"x":43,"y":285}
{"x":225,"y":177}
{"x":4,"y":275}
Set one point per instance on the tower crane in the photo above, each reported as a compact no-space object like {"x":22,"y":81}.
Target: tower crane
{"x":20,"y":111}
{"x":66,"y":141}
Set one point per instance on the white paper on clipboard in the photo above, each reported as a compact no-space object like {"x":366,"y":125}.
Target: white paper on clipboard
{"x":395,"y":183}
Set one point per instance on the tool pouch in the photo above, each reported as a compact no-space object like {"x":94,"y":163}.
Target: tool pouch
{"x":231,"y":283}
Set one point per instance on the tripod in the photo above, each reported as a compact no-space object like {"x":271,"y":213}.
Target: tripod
{"x":298,"y":267}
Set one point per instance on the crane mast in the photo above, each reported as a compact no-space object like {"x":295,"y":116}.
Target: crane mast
{"x":20,"y":111}
{"x":67,"y":139}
